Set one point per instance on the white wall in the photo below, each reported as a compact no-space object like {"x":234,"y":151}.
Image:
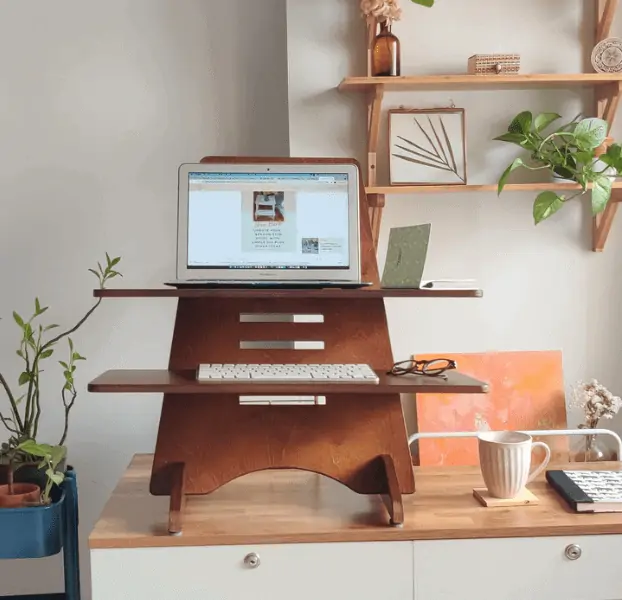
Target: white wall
{"x":99,"y":104}
{"x":543,"y":288}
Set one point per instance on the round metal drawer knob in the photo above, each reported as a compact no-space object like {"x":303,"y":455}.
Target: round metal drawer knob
{"x":573,"y":552}
{"x":252,"y":560}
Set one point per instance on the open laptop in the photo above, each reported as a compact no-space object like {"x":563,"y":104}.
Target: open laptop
{"x":268,"y":225}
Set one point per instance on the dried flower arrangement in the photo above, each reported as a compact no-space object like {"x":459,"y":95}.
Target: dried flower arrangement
{"x":596,"y":401}
{"x":387,"y":10}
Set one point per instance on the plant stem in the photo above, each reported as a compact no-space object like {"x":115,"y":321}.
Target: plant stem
{"x":14,"y":408}
{"x":79,"y":324}
{"x":557,"y":133}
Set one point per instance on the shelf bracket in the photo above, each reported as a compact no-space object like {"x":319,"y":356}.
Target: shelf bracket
{"x":373,"y":135}
{"x":604,"y":221}
{"x":606,"y":102}
{"x":376,"y":203}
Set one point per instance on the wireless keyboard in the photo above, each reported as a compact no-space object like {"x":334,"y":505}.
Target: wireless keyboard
{"x":262,"y":373}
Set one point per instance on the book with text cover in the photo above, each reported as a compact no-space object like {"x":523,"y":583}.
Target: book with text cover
{"x":589,"y":491}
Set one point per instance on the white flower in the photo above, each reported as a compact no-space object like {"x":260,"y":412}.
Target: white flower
{"x":596,"y":401}
{"x":382,"y":10}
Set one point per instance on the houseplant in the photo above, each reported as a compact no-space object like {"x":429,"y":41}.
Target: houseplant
{"x":579,"y":151}
{"x":36,"y":346}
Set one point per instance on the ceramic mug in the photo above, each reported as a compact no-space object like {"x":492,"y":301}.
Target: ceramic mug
{"x":505,"y":460}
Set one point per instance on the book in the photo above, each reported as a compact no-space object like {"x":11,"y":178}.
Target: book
{"x":589,"y":491}
{"x":406,"y":256}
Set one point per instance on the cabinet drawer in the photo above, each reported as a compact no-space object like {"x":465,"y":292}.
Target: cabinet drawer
{"x":365,"y":571}
{"x":519,"y":569}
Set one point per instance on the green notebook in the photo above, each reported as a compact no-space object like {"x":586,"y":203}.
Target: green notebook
{"x":408,"y":249}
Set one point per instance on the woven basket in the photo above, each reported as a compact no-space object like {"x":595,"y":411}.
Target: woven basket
{"x":494,"y":64}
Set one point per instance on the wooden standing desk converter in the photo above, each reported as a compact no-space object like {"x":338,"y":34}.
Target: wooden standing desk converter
{"x":207,"y":438}
{"x":298,"y":525}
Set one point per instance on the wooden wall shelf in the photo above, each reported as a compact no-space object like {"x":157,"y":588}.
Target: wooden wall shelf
{"x":607,"y":92}
{"x":511,"y":187}
{"x":332,"y":294}
{"x":184,"y":382}
{"x":477,"y":82}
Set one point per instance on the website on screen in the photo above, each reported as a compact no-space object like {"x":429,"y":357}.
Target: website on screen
{"x":268,"y":221}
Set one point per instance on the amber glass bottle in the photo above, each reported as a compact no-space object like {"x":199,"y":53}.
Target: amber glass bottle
{"x":387,"y":54}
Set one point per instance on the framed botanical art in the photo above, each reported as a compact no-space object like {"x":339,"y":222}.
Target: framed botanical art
{"x":427,"y":146}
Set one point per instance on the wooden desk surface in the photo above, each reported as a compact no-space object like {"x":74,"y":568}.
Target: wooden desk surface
{"x":294,"y":507}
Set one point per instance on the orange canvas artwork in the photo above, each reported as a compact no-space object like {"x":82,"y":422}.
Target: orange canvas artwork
{"x":526,"y":393}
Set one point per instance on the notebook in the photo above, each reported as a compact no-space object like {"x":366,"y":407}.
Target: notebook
{"x":589,"y":491}
{"x":406,"y":256}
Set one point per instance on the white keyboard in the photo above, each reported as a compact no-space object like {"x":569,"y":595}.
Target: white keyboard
{"x":216,"y":373}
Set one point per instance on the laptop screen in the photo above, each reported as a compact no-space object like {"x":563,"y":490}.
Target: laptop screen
{"x":268,"y":221}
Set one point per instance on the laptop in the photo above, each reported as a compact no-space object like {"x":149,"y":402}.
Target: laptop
{"x":268,"y":225}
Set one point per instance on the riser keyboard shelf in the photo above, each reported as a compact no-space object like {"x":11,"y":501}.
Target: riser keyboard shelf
{"x":184,"y":382}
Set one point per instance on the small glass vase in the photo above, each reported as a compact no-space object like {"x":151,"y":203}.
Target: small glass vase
{"x":386,"y":55}
{"x":592,"y":448}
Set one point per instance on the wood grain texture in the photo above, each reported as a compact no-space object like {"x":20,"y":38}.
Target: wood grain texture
{"x":393,"y":498}
{"x":184,"y":382}
{"x":439,"y":189}
{"x":474,"y":82}
{"x":178,"y":498}
{"x":324,"y":294}
{"x":605,"y":20}
{"x":276,"y":507}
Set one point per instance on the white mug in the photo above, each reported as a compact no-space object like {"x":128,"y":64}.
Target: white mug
{"x":505,"y":460}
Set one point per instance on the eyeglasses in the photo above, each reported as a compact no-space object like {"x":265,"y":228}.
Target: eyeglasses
{"x":430,"y":368}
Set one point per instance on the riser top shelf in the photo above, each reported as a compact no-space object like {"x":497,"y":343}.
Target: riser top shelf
{"x":335,"y":294}
{"x":464,"y":81}
{"x":184,"y":382}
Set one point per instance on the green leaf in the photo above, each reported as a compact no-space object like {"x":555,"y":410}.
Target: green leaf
{"x":601,"y":193}
{"x":63,"y":364}
{"x":512,"y":138}
{"x":115,"y":261}
{"x":428,"y":3}
{"x":585,"y":157}
{"x":590,"y":133}
{"x":521,"y":123}
{"x":94,"y":272}
{"x":46,"y":354}
{"x":48,"y":327}
{"x":37,"y":305}
{"x":24,"y":378}
{"x":55,"y":476}
{"x":546,"y":204}
{"x":67,"y":387}
{"x":543,"y":120}
{"x":108,"y":259}
{"x":20,"y":354}
{"x":70,"y":342}
{"x":52,"y":454}
{"x":18,"y":319}
{"x":77,"y":356}
{"x":518,"y":162}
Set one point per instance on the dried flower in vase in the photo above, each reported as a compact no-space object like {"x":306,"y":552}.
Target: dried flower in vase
{"x":596,"y":401}
{"x":381,"y":10}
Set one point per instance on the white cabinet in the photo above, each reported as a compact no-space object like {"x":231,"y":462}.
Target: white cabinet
{"x":339,"y":571}
{"x":519,"y":569}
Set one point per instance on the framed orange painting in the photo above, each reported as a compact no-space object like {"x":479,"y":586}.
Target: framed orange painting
{"x":526,"y":393}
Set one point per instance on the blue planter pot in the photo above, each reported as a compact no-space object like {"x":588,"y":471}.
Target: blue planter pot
{"x":33,"y":532}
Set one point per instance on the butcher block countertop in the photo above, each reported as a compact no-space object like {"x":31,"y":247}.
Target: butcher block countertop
{"x":276,"y":507}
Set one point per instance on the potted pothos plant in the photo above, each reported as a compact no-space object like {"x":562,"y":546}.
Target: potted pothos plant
{"x":26,"y":460}
{"x":579,"y":151}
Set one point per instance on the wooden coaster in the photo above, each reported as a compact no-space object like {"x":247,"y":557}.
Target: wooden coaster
{"x":525,"y":498}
